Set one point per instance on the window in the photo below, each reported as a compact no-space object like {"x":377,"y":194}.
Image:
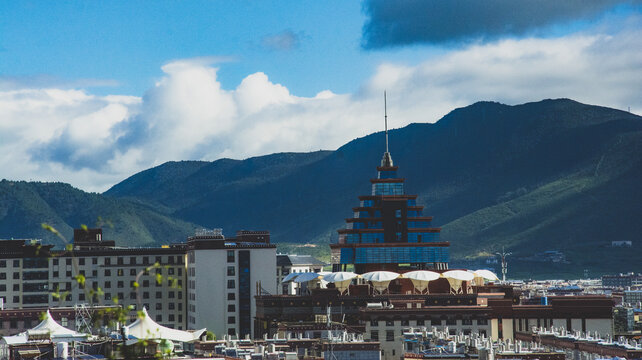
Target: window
{"x":145,"y":283}
{"x":451,"y":322}
{"x":159,"y":259}
{"x":120,"y":272}
{"x":159,"y":318}
{"x":231,"y":296}
{"x":231,"y":308}
{"x":170,"y":271}
{"x":231,"y":331}
{"x":230,"y":271}
{"x":121,"y":284}
{"x":170,"y":294}
{"x":107,"y":272}
{"x":55,"y":262}
{"x":94,"y":261}
{"x":180,"y":307}
{"x":466,"y":321}
{"x":120,"y":261}
{"x":16,"y":299}
{"x":81,"y":261}
{"x":132,"y":272}
{"x":3,"y":287}
{"x":171,"y":317}
{"x":482,"y":321}
{"x":421,"y":322}
{"x":390,"y":323}
{"x":171,"y":306}
{"x":81,"y":297}
{"x":132,"y":295}
{"x":231,"y":284}
{"x":159,"y":295}
{"x":94,"y":273}
{"x":107,"y":261}
{"x":405,"y":323}
{"x":107,"y":296}
{"x":132,"y":260}
{"x":107,"y":284}
{"x":145,"y":295}
{"x":231,"y":319}
{"x":180,"y":271}
{"x":16,"y":275}
{"x":374,"y":335}
{"x":230,"y":256}
{"x":374,"y":323}
{"x":390,"y":335}
{"x":16,"y":263}
{"x":16,"y":287}
{"x":56,"y":274}
{"x":145,"y":260}
{"x":159,"y":306}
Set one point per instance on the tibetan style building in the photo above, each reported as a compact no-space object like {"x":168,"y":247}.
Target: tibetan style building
{"x":388,"y":230}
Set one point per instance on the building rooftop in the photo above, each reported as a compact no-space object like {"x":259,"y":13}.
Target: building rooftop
{"x":297,"y":260}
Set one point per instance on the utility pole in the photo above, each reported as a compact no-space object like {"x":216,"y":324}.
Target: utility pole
{"x":503,"y":255}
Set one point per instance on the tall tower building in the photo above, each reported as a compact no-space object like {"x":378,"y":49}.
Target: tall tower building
{"x":388,"y":230}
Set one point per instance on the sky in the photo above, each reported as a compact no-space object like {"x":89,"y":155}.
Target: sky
{"x":93,"y":92}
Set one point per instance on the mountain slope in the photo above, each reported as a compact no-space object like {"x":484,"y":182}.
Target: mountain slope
{"x":24,"y":206}
{"x":532,"y":177}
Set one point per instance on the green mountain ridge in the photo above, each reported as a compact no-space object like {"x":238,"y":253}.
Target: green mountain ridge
{"x":550,"y":175}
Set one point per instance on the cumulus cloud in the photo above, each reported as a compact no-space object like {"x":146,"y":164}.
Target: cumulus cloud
{"x":284,"y":41}
{"x":95,"y":141}
{"x":393,"y":23}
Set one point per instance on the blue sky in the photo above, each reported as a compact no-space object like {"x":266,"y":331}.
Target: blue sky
{"x":92,"y":92}
{"x":125,"y":43}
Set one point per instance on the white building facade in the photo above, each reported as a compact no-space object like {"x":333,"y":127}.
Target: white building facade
{"x":224,"y":276}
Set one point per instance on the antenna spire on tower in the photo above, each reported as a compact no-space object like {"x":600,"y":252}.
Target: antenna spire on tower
{"x":385,"y":116}
{"x":387,"y":159}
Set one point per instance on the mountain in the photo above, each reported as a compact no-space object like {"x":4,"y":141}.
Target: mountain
{"x":554,"y":175}
{"x":551,"y":175}
{"x":24,"y":206}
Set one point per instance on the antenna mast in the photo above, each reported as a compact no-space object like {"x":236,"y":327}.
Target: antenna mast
{"x":385,"y":116}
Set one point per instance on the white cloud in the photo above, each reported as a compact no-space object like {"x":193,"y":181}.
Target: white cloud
{"x":94,"y":141}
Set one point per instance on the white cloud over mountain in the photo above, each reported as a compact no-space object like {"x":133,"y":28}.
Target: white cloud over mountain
{"x":91,"y":141}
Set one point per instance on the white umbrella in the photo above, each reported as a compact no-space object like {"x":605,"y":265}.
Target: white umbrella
{"x":306,"y":276}
{"x":486,"y":275}
{"x":380,"y":276}
{"x":460,"y":275}
{"x":341,"y":279}
{"x":380,"y":279}
{"x":339,"y":276}
{"x":455,"y":278}
{"x":421,"y":278}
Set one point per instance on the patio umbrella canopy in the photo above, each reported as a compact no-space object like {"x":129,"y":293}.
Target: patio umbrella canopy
{"x":341,"y":279}
{"x":380,"y":276}
{"x":455,"y":278}
{"x":421,"y":278}
{"x":486,"y":275}
{"x":305,"y":277}
{"x":380,"y":279}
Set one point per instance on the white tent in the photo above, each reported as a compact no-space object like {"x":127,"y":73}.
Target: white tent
{"x":421,"y":278}
{"x":147,"y":329}
{"x":47,"y":327}
{"x":380,"y":279}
